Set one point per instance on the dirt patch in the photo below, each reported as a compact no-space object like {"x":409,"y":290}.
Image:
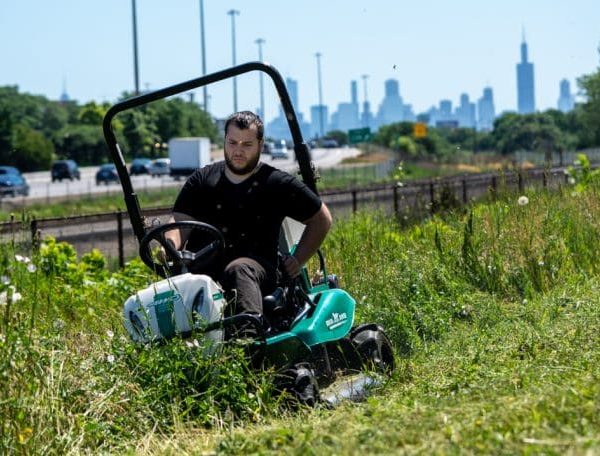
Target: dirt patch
{"x":374,"y":157}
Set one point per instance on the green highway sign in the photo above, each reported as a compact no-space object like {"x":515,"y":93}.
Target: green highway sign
{"x":359,"y":135}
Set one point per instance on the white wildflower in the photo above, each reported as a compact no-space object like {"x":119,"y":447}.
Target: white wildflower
{"x":59,"y":324}
{"x":523,"y":200}
{"x":541,"y":263}
{"x":88,"y":283}
{"x":22,"y":259}
{"x":2,"y":338}
{"x":399,"y":184}
{"x":110,"y":358}
{"x":31,"y":268}
{"x":571,"y":180}
{"x":189,"y":344}
{"x":12,"y":293}
{"x":196,"y":343}
{"x":5,"y":280}
{"x":110,"y":334}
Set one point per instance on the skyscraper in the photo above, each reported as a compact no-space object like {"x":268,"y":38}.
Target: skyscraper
{"x":566,"y":101}
{"x":525,"y":86}
{"x":391,"y":107}
{"x":347,"y":115}
{"x":465,"y":112}
{"x":486,"y":110}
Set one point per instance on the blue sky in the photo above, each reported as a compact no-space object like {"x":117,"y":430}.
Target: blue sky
{"x":436,"y":49}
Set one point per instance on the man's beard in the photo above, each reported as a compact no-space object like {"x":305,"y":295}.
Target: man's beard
{"x":246,"y":169}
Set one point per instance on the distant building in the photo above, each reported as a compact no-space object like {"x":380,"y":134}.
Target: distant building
{"x":486,"y":110}
{"x":390,"y":109}
{"x":319,"y":120}
{"x":525,"y":85}
{"x":347,"y":115}
{"x":465,"y":112}
{"x":566,"y":101}
{"x":278,"y":128}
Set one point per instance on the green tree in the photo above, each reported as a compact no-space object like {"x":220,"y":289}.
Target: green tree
{"x":340,"y":136}
{"x":589,"y":110}
{"x":31,"y":151}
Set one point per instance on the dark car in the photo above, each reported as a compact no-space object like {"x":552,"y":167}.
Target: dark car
{"x":140,"y":166}
{"x":107,"y":174}
{"x":65,"y":169}
{"x":12,"y":182}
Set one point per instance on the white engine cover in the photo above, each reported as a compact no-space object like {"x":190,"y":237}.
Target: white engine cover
{"x":174,"y":307}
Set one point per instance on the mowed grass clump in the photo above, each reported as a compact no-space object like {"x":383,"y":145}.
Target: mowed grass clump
{"x":493,"y":313}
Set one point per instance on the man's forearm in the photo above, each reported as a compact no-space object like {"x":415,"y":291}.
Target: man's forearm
{"x":314,"y":233}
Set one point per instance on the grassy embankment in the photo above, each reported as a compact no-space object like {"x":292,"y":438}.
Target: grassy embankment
{"x":494,"y":315}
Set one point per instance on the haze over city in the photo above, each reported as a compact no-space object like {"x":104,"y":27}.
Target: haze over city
{"x":435,"y":50}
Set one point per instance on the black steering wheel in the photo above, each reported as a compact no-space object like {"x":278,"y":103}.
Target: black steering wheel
{"x":203,"y":247}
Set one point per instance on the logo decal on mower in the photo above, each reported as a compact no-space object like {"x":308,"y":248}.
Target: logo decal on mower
{"x":336,"y":320}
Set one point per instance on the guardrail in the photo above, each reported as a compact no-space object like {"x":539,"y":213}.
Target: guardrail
{"x":112,"y":234}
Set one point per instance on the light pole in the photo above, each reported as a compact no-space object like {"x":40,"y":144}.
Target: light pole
{"x":204,"y":89}
{"x":260,"y":42}
{"x":318,"y":56}
{"x":136,"y":75}
{"x":233,"y":13}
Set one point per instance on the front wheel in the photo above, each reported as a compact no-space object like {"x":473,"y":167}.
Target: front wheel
{"x":300,"y":382}
{"x":373,"y":347}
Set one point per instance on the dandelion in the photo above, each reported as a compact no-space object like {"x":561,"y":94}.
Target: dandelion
{"x":25,"y":434}
{"x":110,"y":334}
{"x":110,"y":358}
{"x":5,"y":280}
{"x":523,"y":200}
{"x":31,"y":268}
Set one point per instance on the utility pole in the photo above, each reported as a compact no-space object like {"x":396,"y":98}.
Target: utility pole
{"x":260,"y":42}
{"x":203,"y":46}
{"x":136,"y":75}
{"x":318,"y":56}
{"x":233,"y":13}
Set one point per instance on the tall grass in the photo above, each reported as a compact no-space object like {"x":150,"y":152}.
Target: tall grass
{"x":493,"y":313}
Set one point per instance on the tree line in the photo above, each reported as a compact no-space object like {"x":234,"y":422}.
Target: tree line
{"x":34,"y":131}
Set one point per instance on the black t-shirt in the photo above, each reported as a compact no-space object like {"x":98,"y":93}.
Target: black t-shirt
{"x":249,"y":214}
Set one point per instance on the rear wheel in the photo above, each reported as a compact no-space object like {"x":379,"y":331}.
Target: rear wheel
{"x":373,"y":347}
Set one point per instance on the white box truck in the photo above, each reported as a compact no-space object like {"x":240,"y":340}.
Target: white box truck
{"x":187,"y":155}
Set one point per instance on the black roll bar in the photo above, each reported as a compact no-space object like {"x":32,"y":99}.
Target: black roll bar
{"x":131,"y":200}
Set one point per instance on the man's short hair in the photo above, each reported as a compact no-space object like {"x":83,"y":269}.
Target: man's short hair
{"x":244,"y":120}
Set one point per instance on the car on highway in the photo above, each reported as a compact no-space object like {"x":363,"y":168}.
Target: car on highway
{"x":107,"y":174}
{"x":140,"y":165}
{"x":160,"y":167}
{"x":267,"y":147}
{"x":279,"y":150}
{"x":12,"y":182}
{"x":65,"y":169}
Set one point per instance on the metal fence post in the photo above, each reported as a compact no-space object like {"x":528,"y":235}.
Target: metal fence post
{"x":431,"y":197}
{"x":35,"y":235}
{"x":396,"y":211}
{"x":520,"y":181}
{"x":464,"y":191}
{"x":120,"y":239}
{"x":354,"y":202}
{"x":494,"y":187}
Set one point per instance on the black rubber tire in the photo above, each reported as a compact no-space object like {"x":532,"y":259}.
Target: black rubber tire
{"x":373,"y":347}
{"x":300,"y":382}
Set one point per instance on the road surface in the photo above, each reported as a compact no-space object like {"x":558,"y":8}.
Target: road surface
{"x":41,"y":186}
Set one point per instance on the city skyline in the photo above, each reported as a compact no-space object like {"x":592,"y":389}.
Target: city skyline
{"x":435,"y":51}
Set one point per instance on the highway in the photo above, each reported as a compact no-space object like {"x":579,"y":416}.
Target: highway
{"x":41,"y":186}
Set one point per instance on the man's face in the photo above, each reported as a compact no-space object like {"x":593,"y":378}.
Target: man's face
{"x":242,"y":149}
